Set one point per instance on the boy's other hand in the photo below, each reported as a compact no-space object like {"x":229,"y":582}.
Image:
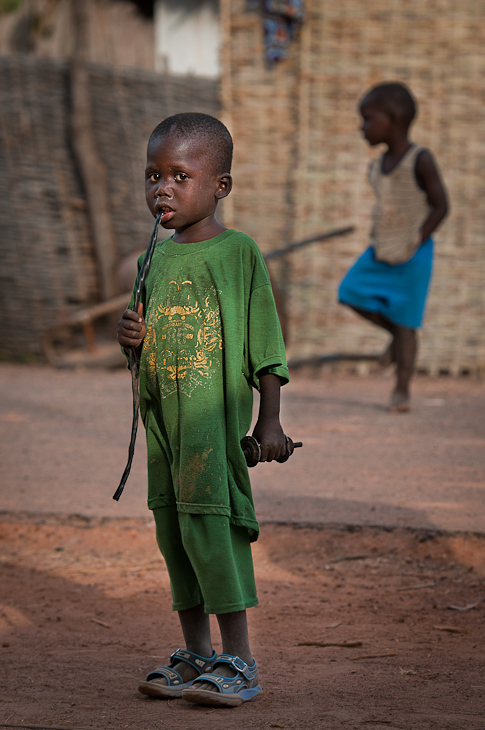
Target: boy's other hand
{"x":271,"y":438}
{"x":132,"y":328}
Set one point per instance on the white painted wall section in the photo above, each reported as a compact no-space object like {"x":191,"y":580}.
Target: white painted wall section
{"x":188,"y":37}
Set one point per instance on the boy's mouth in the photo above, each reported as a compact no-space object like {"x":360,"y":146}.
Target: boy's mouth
{"x":167,"y":213}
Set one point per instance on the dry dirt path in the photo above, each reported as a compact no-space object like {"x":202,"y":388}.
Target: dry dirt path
{"x":85,"y":601}
{"x":64,"y":437}
{"x":85,"y":613}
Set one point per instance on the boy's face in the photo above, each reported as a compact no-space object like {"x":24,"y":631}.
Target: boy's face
{"x":376,"y":122}
{"x":181,"y":183}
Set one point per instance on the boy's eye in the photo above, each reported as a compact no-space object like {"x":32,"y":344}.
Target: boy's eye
{"x":154,"y":177}
{"x":180,"y":176}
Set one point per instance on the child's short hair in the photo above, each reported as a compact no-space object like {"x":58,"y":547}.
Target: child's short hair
{"x":395,"y":98}
{"x":201,"y":126}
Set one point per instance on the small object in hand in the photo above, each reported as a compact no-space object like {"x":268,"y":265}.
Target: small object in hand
{"x":252,"y":450}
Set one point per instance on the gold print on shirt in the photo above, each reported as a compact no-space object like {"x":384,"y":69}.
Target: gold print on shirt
{"x":184,"y":338}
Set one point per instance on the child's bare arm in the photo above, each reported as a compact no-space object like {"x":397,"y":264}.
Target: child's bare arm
{"x":132,"y":328}
{"x":268,"y":429}
{"x":429,"y":180}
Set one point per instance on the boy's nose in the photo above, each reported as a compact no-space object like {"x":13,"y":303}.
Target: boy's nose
{"x":163,"y":189}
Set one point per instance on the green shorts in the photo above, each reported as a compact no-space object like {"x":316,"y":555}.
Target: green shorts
{"x":209,"y":561}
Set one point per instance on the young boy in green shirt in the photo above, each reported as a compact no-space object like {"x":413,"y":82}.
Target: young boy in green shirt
{"x":206,"y":333}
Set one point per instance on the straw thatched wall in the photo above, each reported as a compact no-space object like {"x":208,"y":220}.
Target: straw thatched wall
{"x":47,"y":264}
{"x":300,"y":162}
{"x":117,"y":33}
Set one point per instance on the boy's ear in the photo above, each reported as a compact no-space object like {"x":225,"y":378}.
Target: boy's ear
{"x":224,"y":185}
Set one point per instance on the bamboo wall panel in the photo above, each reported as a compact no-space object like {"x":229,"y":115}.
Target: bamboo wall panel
{"x":47,"y":263}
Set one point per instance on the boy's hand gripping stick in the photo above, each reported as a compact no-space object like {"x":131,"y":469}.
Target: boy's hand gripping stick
{"x":134,"y":364}
{"x":252,"y":450}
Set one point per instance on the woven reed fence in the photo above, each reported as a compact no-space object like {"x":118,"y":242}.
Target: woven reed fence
{"x":47,"y":264}
{"x":300,"y":163}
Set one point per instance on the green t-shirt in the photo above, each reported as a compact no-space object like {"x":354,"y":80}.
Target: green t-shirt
{"x":211,"y":327}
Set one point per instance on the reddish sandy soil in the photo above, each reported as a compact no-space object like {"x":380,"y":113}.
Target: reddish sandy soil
{"x":85,"y":612}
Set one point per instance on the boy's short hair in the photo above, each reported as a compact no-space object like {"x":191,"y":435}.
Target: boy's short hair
{"x":204,"y":127}
{"x":396,"y":99}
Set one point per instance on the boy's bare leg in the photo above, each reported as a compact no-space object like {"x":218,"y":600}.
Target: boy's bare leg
{"x":405,"y":348}
{"x":234,"y":634}
{"x":402,"y":350}
{"x":388,"y":357}
{"x":197,"y":634}
{"x":376,"y":318}
{"x":389,"y":354}
{"x":235,"y":641}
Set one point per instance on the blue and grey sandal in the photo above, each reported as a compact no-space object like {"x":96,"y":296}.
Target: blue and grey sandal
{"x":175,"y":685}
{"x":228,"y":691}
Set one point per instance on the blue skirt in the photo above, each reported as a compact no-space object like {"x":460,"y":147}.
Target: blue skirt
{"x":397,"y":291}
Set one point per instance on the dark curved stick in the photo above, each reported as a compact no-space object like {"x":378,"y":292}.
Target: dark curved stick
{"x":134,"y":365}
{"x":314,"y":239}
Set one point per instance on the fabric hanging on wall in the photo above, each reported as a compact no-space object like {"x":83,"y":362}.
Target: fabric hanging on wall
{"x":281,"y":21}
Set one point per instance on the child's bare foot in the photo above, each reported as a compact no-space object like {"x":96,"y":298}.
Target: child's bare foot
{"x":223,"y":670}
{"x":399,"y":402}
{"x":226,"y":686}
{"x":169,"y":681}
{"x":387,"y":357}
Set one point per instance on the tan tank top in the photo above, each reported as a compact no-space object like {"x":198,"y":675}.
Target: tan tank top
{"x":399,"y":211}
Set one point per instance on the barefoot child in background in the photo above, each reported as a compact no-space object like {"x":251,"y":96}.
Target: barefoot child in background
{"x":389,"y":283}
{"x":206,"y":334}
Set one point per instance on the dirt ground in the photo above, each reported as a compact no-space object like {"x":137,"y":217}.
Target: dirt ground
{"x":85,"y":599}
{"x":85,"y":612}
{"x":64,"y":439}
